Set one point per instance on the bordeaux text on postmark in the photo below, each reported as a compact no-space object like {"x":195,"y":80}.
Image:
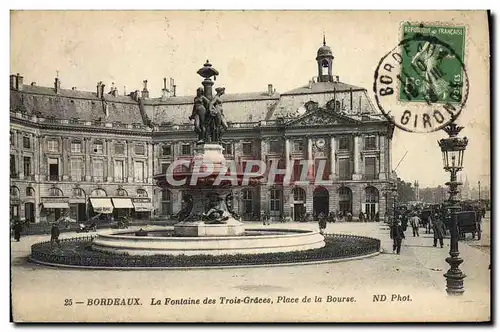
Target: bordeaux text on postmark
{"x":421,"y":85}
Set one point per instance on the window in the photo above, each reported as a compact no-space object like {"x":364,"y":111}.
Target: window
{"x":26,"y":142}
{"x":139,"y":171}
{"x":55,"y":192}
{"x":120,"y":148}
{"x":299,"y":195}
{"x":76,"y":169}
{"x":345,"y":169}
{"x":76,"y":146}
{"x":98,"y":193}
{"x":121,"y":192}
{"x":53,"y":145}
{"x":186,"y":149}
{"x":166,"y":202}
{"x":30,"y":192}
{"x":12,"y":139}
{"x":370,"y":143}
{"x":275,"y":200}
{"x":164,"y":168}
{"x":13,"y":168}
{"x":142,"y":193}
{"x":78,"y":192}
{"x":344,"y":143}
{"x":27,"y":166}
{"x":371,"y":194}
{"x":370,"y":168}
{"x":247,"y":201}
{"x":166,"y":150}
{"x":298,"y":146}
{"x":98,"y":147}
{"x":247,"y":148}
{"x":275,"y":146}
{"x":228,"y":148}
{"x":139,"y":149}
{"x":98,"y":169}
{"x":119,"y":170}
{"x":14,"y":192}
{"x":53,"y":169}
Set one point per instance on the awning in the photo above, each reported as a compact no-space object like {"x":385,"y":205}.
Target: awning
{"x":55,"y":205}
{"x":122,"y":203}
{"x":143,"y":207}
{"x":102,"y":205}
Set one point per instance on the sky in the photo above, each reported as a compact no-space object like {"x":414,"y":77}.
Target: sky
{"x":250,"y":50}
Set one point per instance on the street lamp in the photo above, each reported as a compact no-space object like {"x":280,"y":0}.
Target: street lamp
{"x":453,"y":149}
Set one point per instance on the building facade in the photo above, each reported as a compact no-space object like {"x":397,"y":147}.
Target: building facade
{"x":81,"y":153}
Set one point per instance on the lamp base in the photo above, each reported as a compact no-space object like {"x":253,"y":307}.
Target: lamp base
{"x":454,"y":277}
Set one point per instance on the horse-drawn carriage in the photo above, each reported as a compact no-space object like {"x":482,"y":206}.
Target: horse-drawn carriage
{"x":469,"y":222}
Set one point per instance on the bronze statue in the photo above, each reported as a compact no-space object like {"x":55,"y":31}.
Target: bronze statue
{"x":208,"y":116}
{"x":199,"y":114}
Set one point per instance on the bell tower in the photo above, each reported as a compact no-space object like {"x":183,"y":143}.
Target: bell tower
{"x":324,"y":58}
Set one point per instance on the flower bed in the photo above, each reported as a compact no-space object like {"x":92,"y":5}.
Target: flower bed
{"x":78,"y":252}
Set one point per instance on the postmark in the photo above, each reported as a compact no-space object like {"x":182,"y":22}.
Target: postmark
{"x":421,"y":85}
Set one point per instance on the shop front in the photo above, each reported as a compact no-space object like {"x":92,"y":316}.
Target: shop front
{"x":142,"y":207}
{"x":53,"y":208}
{"x":101,"y":208}
{"x":122,"y":207}
{"x":78,"y":209}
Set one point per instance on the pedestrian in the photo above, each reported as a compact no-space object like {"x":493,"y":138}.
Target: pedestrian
{"x":397,"y":236}
{"x":361,"y":216}
{"x":18,"y":228}
{"x":54,"y":236}
{"x":377,"y":217}
{"x":322,"y":223}
{"x":414,"y":222}
{"x":438,"y":230}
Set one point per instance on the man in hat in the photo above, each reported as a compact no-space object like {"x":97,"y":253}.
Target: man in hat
{"x":414,"y":222}
{"x":438,"y":230}
{"x":54,"y":235}
{"x":397,"y":236}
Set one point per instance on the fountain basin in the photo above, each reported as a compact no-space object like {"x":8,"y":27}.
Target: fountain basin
{"x":267,"y":240}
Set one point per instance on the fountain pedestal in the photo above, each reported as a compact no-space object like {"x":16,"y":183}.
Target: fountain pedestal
{"x":203,"y":195}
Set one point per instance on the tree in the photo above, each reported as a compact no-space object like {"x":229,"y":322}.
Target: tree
{"x":406,"y":192}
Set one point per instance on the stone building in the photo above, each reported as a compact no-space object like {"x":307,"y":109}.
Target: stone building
{"x":81,"y":153}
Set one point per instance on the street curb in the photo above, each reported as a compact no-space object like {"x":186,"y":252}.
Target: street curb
{"x":339,"y":260}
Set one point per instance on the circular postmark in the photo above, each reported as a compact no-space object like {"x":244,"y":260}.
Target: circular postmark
{"x":421,"y":85}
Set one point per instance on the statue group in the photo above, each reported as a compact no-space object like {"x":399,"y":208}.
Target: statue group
{"x":208,"y":116}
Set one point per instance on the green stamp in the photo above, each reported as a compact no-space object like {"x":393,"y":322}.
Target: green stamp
{"x":432,"y":66}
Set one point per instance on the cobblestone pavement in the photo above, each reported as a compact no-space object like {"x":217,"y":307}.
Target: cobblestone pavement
{"x":413,"y":283}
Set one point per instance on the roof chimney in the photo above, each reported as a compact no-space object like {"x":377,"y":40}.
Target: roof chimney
{"x":336,"y":78}
{"x":113,"y":89}
{"x":145,"y":92}
{"x":270,"y":89}
{"x":310,"y":84}
{"x":101,"y":93}
{"x":33,"y":83}
{"x":173,"y":90}
{"x":19,"y":83}
{"x":57,"y":85}
{"x":73,"y":88}
{"x":13,"y":82}
{"x":98,"y":93}
{"x":165,"y":93}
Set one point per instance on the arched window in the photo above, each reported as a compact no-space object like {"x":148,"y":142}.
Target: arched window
{"x":98,"y":193}
{"x":142,"y":193}
{"x":371,"y":194}
{"x":14,"y":192}
{"x":345,"y":200}
{"x":121,"y":192}
{"x":55,"y":192}
{"x":30,"y":192}
{"x":78,"y":192}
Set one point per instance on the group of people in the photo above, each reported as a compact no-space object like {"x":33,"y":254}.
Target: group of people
{"x":400,"y":225}
{"x":54,"y":233}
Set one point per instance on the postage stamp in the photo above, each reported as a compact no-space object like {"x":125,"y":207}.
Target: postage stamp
{"x":422,"y":84}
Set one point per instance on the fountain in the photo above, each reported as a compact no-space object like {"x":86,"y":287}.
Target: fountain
{"x":207,"y":223}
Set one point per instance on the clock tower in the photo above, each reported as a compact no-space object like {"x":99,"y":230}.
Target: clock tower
{"x":324,"y":59}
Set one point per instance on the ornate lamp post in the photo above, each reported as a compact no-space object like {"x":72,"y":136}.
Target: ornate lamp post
{"x":453,"y":149}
